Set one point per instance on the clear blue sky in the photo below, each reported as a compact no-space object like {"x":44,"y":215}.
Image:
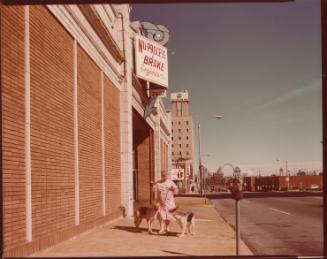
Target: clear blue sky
{"x":258,"y":65}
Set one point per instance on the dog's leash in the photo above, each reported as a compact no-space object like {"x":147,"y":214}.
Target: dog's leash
{"x":168,"y":189}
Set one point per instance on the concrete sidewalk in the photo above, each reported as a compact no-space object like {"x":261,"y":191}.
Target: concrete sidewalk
{"x":213,"y":236}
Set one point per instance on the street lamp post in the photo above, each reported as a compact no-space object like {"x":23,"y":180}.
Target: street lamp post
{"x":200,"y":161}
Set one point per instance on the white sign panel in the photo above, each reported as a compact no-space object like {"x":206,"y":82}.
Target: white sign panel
{"x":151,"y":61}
{"x":179,"y":96}
{"x":158,"y":93}
{"x":177,"y":174}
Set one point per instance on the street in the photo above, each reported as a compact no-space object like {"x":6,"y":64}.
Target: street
{"x":278,"y":225}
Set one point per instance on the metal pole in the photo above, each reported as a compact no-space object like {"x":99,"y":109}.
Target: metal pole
{"x":204,"y":187}
{"x":238,"y":236}
{"x":200,"y":164}
{"x":288,"y":177}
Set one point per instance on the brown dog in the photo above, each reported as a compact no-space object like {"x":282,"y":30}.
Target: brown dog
{"x":148,"y":213}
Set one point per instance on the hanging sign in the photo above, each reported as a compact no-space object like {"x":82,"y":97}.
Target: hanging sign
{"x":151,"y":61}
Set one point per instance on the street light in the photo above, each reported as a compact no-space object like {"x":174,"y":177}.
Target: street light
{"x":218,"y":117}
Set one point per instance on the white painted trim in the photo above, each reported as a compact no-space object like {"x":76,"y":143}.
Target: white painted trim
{"x":80,"y":19}
{"x":108,"y":22}
{"x":138,"y":107}
{"x":151,"y":120}
{"x":76,"y":159}
{"x":111,"y":12}
{"x":28,"y":166}
{"x":137,"y":102}
{"x":77,"y":32}
{"x":164,"y":136}
{"x":103,"y":149}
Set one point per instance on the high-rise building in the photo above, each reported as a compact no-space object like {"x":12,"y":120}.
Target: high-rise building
{"x":182,"y":135}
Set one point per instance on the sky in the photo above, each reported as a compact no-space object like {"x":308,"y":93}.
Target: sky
{"x":256,"y":64}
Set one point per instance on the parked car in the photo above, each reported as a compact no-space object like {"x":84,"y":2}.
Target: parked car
{"x":313,"y":187}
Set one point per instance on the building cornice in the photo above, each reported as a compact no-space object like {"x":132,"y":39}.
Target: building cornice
{"x":97,"y":16}
{"x":73,"y":20}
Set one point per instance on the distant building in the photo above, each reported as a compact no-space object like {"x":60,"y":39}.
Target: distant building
{"x":216,"y":182}
{"x":279,"y":183}
{"x":182,"y":134}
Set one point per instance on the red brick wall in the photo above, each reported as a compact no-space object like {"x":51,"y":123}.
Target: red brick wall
{"x":112,"y":146}
{"x":52,"y":134}
{"x":13,"y":125}
{"x":143,"y":145}
{"x":52,"y":125}
{"x":301,"y":181}
{"x":89,"y":138}
{"x":144,"y":169}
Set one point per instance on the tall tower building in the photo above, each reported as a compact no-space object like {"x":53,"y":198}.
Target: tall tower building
{"x":182,"y":135}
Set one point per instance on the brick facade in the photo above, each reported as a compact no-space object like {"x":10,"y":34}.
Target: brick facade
{"x":52,"y":134}
{"x":13,"y":125}
{"x":143,"y":144}
{"x":112,"y":147}
{"x":89,"y":137}
{"x":52,"y":126}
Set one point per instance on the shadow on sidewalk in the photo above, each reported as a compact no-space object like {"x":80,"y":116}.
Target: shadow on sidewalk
{"x":140,"y":230}
{"x":176,"y":253}
{"x":131,"y":229}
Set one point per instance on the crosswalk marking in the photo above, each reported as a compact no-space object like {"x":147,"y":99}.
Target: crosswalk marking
{"x":280,"y":211}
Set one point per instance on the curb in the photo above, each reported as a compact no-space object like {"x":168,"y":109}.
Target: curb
{"x":251,"y":248}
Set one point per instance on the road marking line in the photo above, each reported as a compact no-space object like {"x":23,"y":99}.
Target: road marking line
{"x":281,"y":211}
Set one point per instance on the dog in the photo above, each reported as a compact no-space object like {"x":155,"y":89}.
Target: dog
{"x":185,"y":220}
{"x":148,"y":213}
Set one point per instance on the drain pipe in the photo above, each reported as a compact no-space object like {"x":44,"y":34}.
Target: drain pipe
{"x":123,"y":38}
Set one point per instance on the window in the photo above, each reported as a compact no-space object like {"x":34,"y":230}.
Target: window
{"x":172,"y":145}
{"x":179,"y":130}
{"x":186,"y":130}
{"x":179,"y":123}
{"x":180,"y":138}
{"x":172,"y":138}
{"x":180,"y":145}
{"x":186,"y":122}
{"x":180,"y":152}
{"x":187,"y":153}
{"x":172,"y":153}
{"x":186,"y":145}
{"x":172,"y":131}
{"x":187,"y":137}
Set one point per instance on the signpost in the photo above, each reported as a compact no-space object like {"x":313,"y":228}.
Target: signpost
{"x":177,"y":174}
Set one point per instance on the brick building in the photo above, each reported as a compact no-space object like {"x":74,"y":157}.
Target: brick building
{"x":182,"y":134}
{"x":73,"y":124}
{"x":279,"y":183}
{"x":216,"y":182}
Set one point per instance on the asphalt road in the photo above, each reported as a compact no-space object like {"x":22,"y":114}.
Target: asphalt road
{"x":278,"y":225}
